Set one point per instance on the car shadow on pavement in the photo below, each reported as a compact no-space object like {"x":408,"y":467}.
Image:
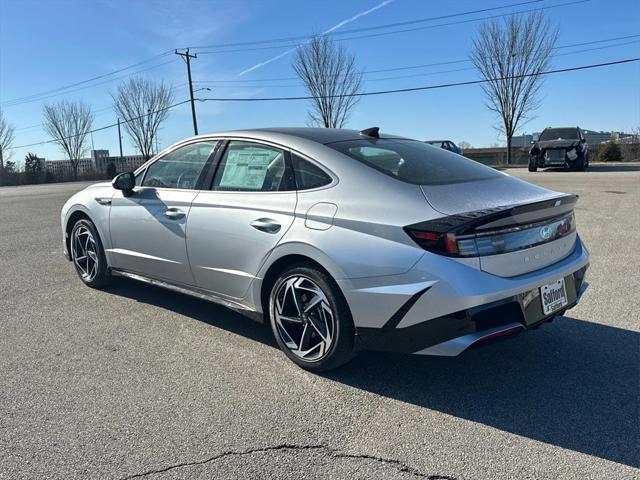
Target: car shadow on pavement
{"x":201,"y":310}
{"x":572,"y":383}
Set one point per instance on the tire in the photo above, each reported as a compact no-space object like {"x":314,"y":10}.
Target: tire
{"x":88,"y":255}
{"x":533,"y":166}
{"x":579,"y":165}
{"x":321,"y":339}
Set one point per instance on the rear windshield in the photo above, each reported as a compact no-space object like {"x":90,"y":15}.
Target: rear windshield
{"x":559,"y":133}
{"x":413,"y":161}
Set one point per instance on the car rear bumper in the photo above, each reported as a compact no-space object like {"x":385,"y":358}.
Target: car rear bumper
{"x":438,"y":301}
{"x":450,"y":335}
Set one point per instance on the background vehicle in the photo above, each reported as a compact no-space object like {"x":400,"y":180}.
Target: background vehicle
{"x":445,"y":144}
{"x":340,"y":239}
{"x":559,"y":147}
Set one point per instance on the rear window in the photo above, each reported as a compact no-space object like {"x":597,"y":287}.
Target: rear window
{"x":415,"y":162}
{"x":559,"y":133}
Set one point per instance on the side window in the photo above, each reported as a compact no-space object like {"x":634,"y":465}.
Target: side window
{"x":307,"y":175}
{"x":179,"y":168}
{"x":253,"y":167}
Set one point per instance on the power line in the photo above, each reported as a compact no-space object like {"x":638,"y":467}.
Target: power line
{"x":89,"y":79}
{"x":100,"y":111}
{"x":229,"y":84}
{"x":439,"y":72}
{"x":450,"y":62}
{"x":41,"y":98}
{"x":427,"y":87}
{"x":101,"y":128}
{"x":379,"y":34}
{"x":363,"y":94}
{"x":364,"y":29}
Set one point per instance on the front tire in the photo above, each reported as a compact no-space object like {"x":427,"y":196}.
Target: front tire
{"x":533,"y":166}
{"x":88,"y":255}
{"x":311,"y":320}
{"x":580,"y":164}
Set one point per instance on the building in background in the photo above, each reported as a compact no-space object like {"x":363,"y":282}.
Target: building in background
{"x":95,"y":166}
{"x":64,"y":168}
{"x":127,"y":163}
{"x":591,"y":136}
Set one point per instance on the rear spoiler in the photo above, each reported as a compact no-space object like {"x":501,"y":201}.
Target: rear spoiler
{"x":478,"y":221}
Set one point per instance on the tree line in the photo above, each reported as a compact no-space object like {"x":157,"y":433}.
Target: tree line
{"x":509,"y":54}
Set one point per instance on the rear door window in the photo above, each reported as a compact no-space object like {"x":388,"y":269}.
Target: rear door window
{"x":253,"y":167}
{"x":412,"y":161}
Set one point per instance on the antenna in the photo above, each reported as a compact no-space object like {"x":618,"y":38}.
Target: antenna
{"x":371,"y":132}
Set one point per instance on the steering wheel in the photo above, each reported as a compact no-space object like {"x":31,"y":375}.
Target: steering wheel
{"x":186,"y":180}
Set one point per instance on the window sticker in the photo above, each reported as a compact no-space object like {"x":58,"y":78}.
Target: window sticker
{"x":246,"y":168}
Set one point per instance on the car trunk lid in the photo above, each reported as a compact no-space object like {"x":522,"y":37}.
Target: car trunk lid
{"x":485,"y":194}
{"x":514,"y":227}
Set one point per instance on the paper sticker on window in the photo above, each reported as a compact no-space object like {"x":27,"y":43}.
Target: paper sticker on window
{"x":246,"y":169}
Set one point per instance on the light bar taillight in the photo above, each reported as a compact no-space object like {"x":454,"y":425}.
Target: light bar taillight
{"x":493,"y":242}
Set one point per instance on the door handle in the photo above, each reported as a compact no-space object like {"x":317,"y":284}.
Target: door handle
{"x":174,"y":214}
{"x":266,"y":225}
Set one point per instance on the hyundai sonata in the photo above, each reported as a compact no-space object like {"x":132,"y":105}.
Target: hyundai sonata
{"x":341,"y":240}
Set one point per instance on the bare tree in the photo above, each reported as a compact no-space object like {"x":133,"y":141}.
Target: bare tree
{"x":509,"y":54}
{"x":6,"y":139}
{"x":331,"y":76}
{"x":142,"y":105}
{"x":69,"y":123}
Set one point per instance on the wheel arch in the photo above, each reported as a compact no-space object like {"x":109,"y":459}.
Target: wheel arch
{"x":282,"y":259}
{"x":78,"y":212}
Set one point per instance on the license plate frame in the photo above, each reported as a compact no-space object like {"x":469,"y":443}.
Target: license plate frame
{"x":553,"y":296}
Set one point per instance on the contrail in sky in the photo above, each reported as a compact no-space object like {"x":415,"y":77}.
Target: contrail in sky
{"x":335,"y":27}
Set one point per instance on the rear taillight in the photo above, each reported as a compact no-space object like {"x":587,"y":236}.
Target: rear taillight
{"x":435,"y":242}
{"x":491,"y":242}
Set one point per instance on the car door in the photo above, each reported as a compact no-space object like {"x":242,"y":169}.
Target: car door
{"x":233,"y":227}
{"x":148,"y":225}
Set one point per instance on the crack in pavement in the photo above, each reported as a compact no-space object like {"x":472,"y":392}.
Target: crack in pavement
{"x":399,"y":465}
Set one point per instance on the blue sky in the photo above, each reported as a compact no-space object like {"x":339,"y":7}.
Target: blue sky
{"x":49,"y":44}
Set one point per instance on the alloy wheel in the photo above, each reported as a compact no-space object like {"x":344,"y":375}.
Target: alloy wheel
{"x":84,"y":253}
{"x":304,"y":318}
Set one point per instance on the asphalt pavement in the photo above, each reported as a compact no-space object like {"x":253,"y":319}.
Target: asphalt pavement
{"x":138,"y":382}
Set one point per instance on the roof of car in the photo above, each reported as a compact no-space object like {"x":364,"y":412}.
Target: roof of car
{"x":320,"y":135}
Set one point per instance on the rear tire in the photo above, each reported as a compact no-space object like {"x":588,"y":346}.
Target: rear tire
{"x":88,"y":255}
{"x":311,"y":320}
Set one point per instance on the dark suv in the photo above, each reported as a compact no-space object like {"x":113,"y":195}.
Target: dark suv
{"x":559,"y":147}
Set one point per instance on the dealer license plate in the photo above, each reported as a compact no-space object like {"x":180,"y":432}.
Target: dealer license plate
{"x":553,"y":296}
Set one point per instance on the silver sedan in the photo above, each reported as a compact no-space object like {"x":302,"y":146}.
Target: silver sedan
{"x":340,"y":239}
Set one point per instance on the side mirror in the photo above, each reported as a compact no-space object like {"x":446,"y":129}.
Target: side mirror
{"x":125,"y":182}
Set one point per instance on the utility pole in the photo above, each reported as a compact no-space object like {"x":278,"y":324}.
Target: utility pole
{"x":120,"y":139}
{"x":186,"y":56}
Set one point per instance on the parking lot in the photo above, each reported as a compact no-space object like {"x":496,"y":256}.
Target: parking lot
{"x":138,"y":382}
